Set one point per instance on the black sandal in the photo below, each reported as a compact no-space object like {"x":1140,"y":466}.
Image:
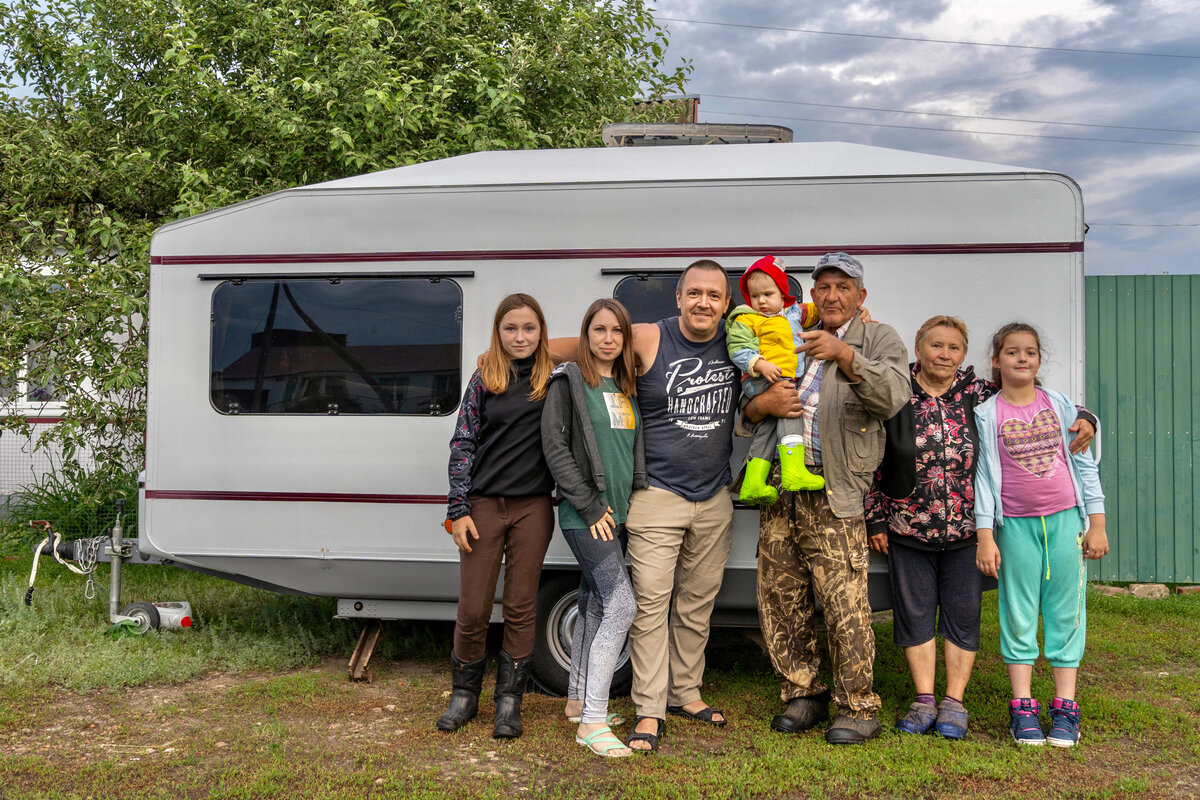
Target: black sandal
{"x":704,"y":715}
{"x":637,"y":736}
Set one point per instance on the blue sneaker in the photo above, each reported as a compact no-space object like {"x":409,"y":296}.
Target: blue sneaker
{"x":1023,"y":721}
{"x":951,"y":719}
{"x":1064,"y":723}
{"x":918,"y":720}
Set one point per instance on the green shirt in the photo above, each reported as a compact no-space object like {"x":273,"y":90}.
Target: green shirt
{"x":615,"y":422}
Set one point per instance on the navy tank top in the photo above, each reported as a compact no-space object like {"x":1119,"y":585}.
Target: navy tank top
{"x":688,"y":398}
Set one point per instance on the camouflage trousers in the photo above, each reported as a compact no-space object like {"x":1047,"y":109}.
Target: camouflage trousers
{"x":802,"y":545}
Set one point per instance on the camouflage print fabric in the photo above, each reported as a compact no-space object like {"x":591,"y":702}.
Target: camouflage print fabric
{"x":801,"y":543}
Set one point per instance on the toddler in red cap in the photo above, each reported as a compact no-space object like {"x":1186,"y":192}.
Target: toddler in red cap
{"x":762,"y":337}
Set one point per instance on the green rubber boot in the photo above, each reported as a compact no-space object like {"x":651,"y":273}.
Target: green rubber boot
{"x":795,"y":476}
{"x":755,"y":489}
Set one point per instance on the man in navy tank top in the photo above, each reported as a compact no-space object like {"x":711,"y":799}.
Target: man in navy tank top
{"x":681,"y":525}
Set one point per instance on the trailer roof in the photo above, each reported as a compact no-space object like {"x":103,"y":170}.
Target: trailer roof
{"x":713,"y":162}
{"x":421,"y":209}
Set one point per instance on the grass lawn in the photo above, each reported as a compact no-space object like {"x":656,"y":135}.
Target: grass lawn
{"x":254,"y":703}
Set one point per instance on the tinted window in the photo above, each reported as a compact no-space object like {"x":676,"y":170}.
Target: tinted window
{"x":650,"y":298}
{"x":320,"y":346}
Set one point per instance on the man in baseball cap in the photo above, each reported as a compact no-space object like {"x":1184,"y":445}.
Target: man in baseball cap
{"x":842,"y":261}
{"x":855,"y":377}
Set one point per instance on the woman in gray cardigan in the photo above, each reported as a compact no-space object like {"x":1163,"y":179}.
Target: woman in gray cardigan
{"x":592,"y":439}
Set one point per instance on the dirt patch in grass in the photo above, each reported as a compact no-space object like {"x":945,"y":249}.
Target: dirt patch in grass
{"x":312,"y":733}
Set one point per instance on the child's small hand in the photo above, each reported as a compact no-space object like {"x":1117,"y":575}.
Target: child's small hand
{"x":768,"y":370}
{"x":1095,"y":541}
{"x":987,"y":554}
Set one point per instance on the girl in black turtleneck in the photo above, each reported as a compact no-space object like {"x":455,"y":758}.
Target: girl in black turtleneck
{"x":499,"y":507}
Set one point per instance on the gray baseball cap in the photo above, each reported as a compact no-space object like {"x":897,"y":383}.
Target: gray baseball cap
{"x":839,"y":260}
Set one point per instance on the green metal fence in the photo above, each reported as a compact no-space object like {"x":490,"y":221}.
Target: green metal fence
{"x":1143,"y":376}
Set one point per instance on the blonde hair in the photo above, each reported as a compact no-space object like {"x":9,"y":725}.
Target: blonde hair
{"x":941,"y":321}
{"x":498,"y":367}
{"x":624,"y":370}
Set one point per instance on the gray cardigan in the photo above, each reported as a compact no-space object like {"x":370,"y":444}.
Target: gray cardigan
{"x":569,"y":443}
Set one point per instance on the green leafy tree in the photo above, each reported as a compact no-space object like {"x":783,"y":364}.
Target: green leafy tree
{"x":117,"y":116}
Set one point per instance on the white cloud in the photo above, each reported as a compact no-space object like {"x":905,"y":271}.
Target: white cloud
{"x":1121,"y":182}
{"x":1013,"y":22}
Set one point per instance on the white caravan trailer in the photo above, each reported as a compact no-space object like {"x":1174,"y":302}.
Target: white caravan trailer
{"x":309,"y":348}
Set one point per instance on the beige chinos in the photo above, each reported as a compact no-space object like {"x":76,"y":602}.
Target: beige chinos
{"x":676,"y":547}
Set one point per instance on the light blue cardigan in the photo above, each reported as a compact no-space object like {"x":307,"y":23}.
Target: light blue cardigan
{"x":1089,"y":497}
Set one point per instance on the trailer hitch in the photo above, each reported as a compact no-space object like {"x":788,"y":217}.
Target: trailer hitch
{"x":83,"y":552}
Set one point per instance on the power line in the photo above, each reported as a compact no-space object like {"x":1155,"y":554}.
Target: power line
{"x":944,"y":114}
{"x":1145,"y":224}
{"x":951,"y":130}
{"x":933,"y":41}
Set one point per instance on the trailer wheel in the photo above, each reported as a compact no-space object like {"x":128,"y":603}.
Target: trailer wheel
{"x":145,"y":614}
{"x":557,"y":611}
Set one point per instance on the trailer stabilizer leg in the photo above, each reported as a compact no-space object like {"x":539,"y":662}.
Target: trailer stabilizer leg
{"x":369,"y":633}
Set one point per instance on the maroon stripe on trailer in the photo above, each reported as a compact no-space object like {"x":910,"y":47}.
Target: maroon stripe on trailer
{"x":297,"y":497}
{"x":643,"y":252}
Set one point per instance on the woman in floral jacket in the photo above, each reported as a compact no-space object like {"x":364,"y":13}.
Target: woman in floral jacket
{"x":920,"y":513}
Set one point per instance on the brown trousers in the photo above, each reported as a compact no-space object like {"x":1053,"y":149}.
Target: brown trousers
{"x":517,"y":531}
{"x":802,"y":545}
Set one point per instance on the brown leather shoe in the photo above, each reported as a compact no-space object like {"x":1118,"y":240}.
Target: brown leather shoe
{"x":848,"y":730}
{"x":802,"y":713}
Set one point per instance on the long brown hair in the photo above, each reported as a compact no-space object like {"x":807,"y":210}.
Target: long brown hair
{"x":998,"y":345}
{"x":497,"y":366}
{"x":624,"y":371}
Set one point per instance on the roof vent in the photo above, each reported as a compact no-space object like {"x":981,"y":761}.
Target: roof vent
{"x":646,"y":134}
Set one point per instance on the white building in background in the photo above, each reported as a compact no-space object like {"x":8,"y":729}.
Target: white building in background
{"x":21,"y":460}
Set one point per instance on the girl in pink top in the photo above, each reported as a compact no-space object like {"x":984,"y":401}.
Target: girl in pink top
{"x":1039,"y":511}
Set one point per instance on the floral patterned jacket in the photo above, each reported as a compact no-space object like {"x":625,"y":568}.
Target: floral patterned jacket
{"x":462,"y":448}
{"x":924,"y":489}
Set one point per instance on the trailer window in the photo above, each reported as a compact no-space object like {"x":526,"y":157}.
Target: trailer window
{"x":650,"y":298}
{"x":330,"y":346}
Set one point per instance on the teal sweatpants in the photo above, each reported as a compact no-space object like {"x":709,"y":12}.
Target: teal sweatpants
{"x":1042,"y":570}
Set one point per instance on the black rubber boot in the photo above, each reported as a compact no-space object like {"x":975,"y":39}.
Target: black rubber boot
{"x":802,"y":713}
{"x":467,"y":679}
{"x":511,"y":681}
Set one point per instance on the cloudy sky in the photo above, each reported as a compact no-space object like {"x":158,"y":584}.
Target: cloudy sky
{"x":1142,"y":201}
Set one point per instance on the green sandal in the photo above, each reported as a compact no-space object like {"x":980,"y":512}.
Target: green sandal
{"x":603,"y":742}
{"x":613,"y":718}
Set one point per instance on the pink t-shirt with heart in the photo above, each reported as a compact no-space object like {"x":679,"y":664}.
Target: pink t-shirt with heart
{"x":1035,"y":480}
